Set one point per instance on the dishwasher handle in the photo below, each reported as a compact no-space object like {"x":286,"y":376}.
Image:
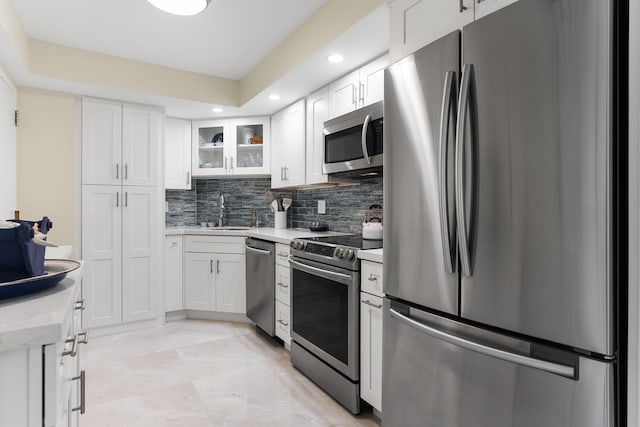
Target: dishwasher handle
{"x":258,"y":251}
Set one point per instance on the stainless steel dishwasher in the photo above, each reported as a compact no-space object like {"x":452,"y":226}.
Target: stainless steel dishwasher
{"x":260,"y":283}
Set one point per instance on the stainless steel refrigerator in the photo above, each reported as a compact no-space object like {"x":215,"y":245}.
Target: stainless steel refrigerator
{"x":503,"y":223}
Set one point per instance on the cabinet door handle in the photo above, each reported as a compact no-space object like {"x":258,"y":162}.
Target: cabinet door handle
{"x":218,"y":266}
{"x":79,"y":305}
{"x":85,"y":337}
{"x":285,"y":173}
{"x":117,"y":199}
{"x":283,"y":254}
{"x":188,"y":176}
{"x":354,"y":97}
{"x":462,"y":6}
{"x":82,"y":377}
{"x":211,"y":266}
{"x":231,"y":164}
{"x":283,"y":323}
{"x":126,"y":171}
{"x":126,"y":199}
{"x":117,"y":170}
{"x":373,"y":278}
{"x":282,"y":285}
{"x":369,"y":303}
{"x":361,"y":90}
{"x":74,"y":343}
{"x":225,"y":163}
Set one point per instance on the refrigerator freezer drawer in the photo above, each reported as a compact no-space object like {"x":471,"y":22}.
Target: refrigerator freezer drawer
{"x":435,"y":376}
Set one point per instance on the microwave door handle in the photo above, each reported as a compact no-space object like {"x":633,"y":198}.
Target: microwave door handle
{"x":365,"y":152}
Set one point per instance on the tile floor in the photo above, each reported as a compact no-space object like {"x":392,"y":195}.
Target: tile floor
{"x":193,"y":373}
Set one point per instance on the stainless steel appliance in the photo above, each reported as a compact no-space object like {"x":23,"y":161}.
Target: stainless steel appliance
{"x":503,"y":261}
{"x":325,"y":277}
{"x":260,"y":269}
{"x":353,"y":143}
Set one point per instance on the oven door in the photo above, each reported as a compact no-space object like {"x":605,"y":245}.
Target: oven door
{"x":354,"y":141}
{"x":325,"y":312}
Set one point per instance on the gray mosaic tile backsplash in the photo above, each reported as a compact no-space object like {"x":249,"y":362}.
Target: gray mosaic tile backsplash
{"x":346,"y":206}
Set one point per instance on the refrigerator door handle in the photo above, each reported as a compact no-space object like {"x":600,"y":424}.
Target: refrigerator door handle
{"x":542,"y":365}
{"x":445,"y":114}
{"x":463,"y":232}
{"x":365,"y":127}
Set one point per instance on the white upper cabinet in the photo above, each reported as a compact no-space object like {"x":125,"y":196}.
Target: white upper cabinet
{"x":317,"y":114}
{"x":416,"y":23}
{"x":120,"y":143}
{"x":359,"y":88}
{"x":177,"y":154}
{"x":288,"y":158}
{"x":101,"y":142}
{"x":485,"y":7}
{"x":233,"y":147}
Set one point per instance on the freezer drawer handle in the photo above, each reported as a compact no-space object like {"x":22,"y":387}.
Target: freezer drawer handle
{"x":553,"y":368}
{"x":445,"y":114}
{"x":258,"y":251}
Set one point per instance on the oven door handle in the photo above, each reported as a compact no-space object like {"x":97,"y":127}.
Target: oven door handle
{"x":330,"y":275}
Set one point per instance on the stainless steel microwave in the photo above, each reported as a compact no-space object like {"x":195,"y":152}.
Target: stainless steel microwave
{"x":353,"y":143}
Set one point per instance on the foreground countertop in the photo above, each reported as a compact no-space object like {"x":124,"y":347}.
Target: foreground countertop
{"x":374,"y":255}
{"x":38,"y":318}
{"x":277,"y":235}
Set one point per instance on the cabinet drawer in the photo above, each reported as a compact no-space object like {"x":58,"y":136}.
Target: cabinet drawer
{"x":371,"y":279}
{"x":283,"y":328}
{"x":282,"y":254}
{"x":283,"y":280}
{"x":217,"y":244}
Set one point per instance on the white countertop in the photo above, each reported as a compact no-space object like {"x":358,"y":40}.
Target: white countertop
{"x":38,"y":318}
{"x":374,"y":255}
{"x":60,"y":252}
{"x":278,"y":235}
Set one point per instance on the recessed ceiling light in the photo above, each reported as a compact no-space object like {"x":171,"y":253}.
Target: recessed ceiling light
{"x":335,"y":58}
{"x":274,"y":97}
{"x":217,"y":110}
{"x":181,"y":7}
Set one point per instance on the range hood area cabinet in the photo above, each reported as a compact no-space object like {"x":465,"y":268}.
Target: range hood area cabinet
{"x":413,"y":24}
{"x":288,"y":160}
{"x":231,"y":147}
{"x":122,"y":214}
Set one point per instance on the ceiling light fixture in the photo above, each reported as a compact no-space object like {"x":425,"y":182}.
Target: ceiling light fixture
{"x":181,"y":7}
{"x":335,"y":58}
{"x":274,"y":97}
{"x":217,"y":110}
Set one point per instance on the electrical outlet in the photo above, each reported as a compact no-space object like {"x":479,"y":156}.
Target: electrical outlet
{"x":322,"y":207}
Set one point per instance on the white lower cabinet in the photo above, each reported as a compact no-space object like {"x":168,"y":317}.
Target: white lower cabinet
{"x":371,"y":334}
{"x":283,"y":294}
{"x":215,"y":281}
{"x":173,"y":269}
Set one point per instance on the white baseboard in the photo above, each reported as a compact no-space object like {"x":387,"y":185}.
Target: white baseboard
{"x":212,"y":315}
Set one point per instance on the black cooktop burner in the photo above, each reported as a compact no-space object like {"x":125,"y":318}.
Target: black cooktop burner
{"x":352,"y":241}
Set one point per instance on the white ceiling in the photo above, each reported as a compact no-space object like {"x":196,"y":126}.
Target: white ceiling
{"x":227,"y":40}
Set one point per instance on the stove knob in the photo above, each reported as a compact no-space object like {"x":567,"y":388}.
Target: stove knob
{"x":340,"y":253}
{"x":299,"y":246}
{"x":351,"y":254}
{"x":293,"y":244}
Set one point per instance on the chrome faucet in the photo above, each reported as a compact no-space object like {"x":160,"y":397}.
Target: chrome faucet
{"x":221,"y":210}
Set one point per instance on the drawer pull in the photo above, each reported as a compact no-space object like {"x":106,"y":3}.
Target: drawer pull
{"x":283,"y":323}
{"x":373,"y":277}
{"x":74,"y":342}
{"x":369,"y":303}
{"x":83,"y":337}
{"x":79,"y":305}
{"x":283,"y":254}
{"x":82,"y":377}
{"x":282,"y":285}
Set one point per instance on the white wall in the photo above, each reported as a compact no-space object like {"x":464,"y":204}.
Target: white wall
{"x":7,"y":147}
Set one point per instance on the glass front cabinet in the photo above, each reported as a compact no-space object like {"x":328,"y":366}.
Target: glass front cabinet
{"x":231,"y":147}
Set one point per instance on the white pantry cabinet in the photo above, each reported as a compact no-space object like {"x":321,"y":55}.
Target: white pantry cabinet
{"x":231,"y":147}
{"x":288,"y":136}
{"x":177,"y":154}
{"x":317,"y":114}
{"x":173,"y":273}
{"x":371,"y":334}
{"x":215,"y":276}
{"x":120,"y":246}
{"x":359,"y":88}
{"x":120,"y":143}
